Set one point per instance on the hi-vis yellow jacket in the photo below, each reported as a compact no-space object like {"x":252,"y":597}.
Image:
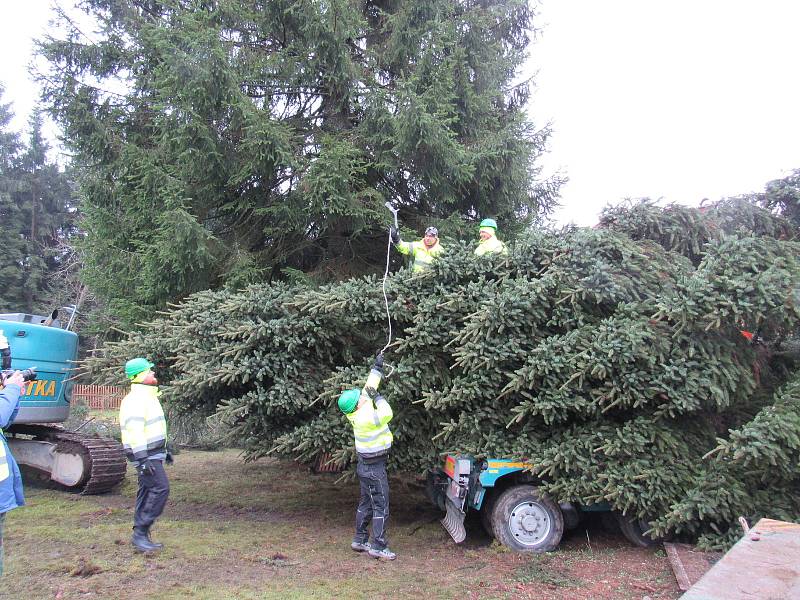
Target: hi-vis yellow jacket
{"x":370,"y":422}
{"x":490,"y":246}
{"x":141,"y":420}
{"x":422,"y":256}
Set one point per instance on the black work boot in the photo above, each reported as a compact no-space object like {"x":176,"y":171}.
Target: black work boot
{"x":140,"y":541}
{"x":158,"y":545}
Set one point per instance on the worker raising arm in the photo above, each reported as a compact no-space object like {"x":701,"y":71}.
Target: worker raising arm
{"x":422,"y":251}
{"x":369,"y":413}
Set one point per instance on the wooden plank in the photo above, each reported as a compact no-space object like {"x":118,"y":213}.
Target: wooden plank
{"x":677,"y":567}
{"x":688,"y":563}
{"x":764,"y":564}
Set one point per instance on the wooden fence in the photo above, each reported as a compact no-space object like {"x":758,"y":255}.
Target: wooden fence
{"x":101,"y":397}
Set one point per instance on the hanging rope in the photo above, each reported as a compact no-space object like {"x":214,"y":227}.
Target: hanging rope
{"x":385,"y":297}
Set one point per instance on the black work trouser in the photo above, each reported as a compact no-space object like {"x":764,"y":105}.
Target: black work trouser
{"x":373,"y":506}
{"x":152,"y":496}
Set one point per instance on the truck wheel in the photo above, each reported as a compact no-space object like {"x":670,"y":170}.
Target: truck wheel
{"x":633,"y":529}
{"x":486,"y":512}
{"x":527,"y":521}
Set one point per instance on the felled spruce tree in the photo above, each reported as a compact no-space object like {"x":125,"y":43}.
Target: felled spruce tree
{"x":615,"y":365}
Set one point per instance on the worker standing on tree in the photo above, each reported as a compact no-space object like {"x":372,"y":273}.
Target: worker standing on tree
{"x":144,"y":437}
{"x":489,"y":243}
{"x":422,"y":251}
{"x":11,"y":495}
{"x":373,"y":440}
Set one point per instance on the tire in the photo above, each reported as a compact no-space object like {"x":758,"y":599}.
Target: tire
{"x":527,"y":521}
{"x":633,"y":530}
{"x":486,"y":512}
{"x":433,"y":490}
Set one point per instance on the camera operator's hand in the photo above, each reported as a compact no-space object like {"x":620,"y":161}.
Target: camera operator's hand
{"x":17,"y":379}
{"x":146,"y":468}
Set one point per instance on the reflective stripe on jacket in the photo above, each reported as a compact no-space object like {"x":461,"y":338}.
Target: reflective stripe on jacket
{"x":421,"y":256}
{"x":489,"y":246}
{"x":142,"y":423}
{"x":370,"y":421}
{"x":11,"y":495}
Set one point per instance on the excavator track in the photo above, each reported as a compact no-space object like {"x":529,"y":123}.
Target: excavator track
{"x":104,"y":462}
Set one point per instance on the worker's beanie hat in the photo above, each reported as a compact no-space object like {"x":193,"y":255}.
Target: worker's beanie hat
{"x":488,"y":223}
{"x":348,"y":400}
{"x":135,"y":366}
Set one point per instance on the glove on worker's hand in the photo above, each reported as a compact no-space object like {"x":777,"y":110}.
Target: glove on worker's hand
{"x":395,"y":235}
{"x":146,"y":468}
{"x":378,"y":364}
{"x":371,"y":392}
{"x":168,"y":459}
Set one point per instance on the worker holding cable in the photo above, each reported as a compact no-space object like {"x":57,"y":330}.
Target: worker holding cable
{"x":369,"y":413}
{"x":422,"y":251}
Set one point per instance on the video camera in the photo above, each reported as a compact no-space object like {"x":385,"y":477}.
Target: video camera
{"x":27,"y":374}
{"x":5,"y":363}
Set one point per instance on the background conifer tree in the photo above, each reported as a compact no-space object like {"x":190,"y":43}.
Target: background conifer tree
{"x":37,"y":213}
{"x":229,"y":142}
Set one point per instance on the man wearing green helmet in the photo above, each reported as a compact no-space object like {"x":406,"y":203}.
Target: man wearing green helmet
{"x":489,"y":243}
{"x":369,"y":413}
{"x":144,"y":438}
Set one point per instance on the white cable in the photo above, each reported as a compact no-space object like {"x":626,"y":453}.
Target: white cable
{"x":385,"y":297}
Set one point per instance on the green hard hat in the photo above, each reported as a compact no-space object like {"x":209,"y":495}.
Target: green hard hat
{"x":348,"y":400}
{"x":135,"y":366}
{"x":489,"y":223}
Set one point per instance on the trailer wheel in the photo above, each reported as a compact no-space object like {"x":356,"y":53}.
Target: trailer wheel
{"x":486,"y":512}
{"x":526,"y":520}
{"x":633,"y":529}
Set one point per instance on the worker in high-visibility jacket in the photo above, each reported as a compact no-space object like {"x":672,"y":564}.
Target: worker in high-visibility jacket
{"x":144,"y":438}
{"x":423,"y":252}
{"x":369,"y":413}
{"x":11,"y":495}
{"x":489,"y":244}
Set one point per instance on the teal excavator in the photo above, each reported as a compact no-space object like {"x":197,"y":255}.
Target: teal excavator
{"x":46,"y":353}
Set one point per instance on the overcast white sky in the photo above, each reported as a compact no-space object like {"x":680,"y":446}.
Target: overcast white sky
{"x":685,"y":100}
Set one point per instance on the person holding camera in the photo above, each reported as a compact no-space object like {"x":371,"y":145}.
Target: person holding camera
{"x":11,"y":495}
{"x":144,"y":437}
{"x":369,"y":413}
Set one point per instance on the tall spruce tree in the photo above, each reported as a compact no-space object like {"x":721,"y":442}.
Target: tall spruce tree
{"x":224,"y":142}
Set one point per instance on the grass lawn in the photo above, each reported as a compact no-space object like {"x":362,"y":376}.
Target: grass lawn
{"x":271,"y":529}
